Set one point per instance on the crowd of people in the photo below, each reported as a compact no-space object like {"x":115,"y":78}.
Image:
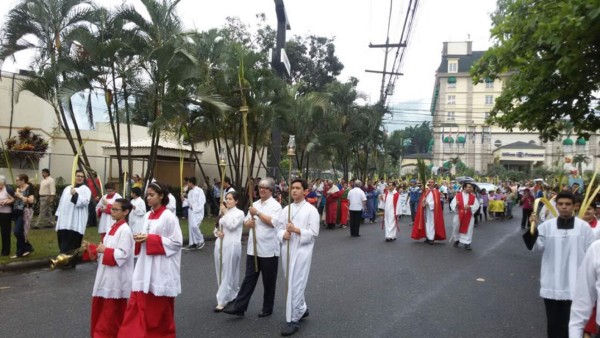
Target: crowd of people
{"x":136,"y":297}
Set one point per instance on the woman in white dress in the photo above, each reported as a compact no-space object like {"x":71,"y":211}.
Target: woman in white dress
{"x":229,"y":235}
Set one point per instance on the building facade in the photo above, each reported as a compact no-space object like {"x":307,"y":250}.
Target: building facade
{"x":460,"y":110}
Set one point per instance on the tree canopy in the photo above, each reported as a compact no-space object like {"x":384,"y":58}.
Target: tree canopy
{"x":550,"y":51}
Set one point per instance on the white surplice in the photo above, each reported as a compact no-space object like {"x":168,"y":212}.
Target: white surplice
{"x":136,"y":216}
{"x":160,"y":274}
{"x":563,"y":252}
{"x":587,"y":288}
{"x":429,"y":216}
{"x":114,"y":282}
{"x":172,"y":206}
{"x":306,"y":217}
{"x":73,"y":216}
{"x":105,"y":220}
{"x":232,"y":224}
{"x":390,"y":214}
{"x":456,"y":235}
{"x":196,"y":200}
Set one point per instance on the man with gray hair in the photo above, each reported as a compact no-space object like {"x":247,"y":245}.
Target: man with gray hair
{"x":357,"y":203}
{"x":260,"y":217}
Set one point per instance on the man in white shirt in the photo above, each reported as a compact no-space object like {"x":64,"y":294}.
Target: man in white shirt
{"x":357,"y":203}
{"x":260,"y":217}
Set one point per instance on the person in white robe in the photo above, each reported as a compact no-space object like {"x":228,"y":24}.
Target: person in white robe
{"x":545,"y":214}
{"x":156,"y":276}
{"x":72,"y":213}
{"x":465,"y":204}
{"x":391,"y":202}
{"x":564,"y":241}
{"x":103,"y":208}
{"x":587,"y":289}
{"x":196,"y":201}
{"x":136,"y":217}
{"x":172,"y":206}
{"x":299,"y":233}
{"x":227,"y":260}
{"x":112,"y":286}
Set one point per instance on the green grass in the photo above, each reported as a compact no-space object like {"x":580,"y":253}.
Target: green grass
{"x":45,"y":243}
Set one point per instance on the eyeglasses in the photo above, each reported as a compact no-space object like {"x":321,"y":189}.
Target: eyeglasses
{"x":79,"y":176}
{"x":264,"y":188}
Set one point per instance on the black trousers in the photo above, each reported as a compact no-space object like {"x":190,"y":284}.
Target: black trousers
{"x":268,"y":266}
{"x":525,"y":220}
{"x":355,"y":217}
{"x":5,"y":223}
{"x":69,"y":240}
{"x":557,"y":315}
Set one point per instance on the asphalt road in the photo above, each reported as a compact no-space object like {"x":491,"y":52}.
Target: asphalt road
{"x":358,"y":287}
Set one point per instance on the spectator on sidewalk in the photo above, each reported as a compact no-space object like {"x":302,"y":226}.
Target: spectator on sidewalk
{"x":47,"y":195}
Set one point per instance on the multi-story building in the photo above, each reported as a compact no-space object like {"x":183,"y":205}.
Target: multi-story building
{"x":460,"y":129}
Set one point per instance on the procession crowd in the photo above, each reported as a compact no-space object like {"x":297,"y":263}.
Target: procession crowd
{"x":139,"y":255}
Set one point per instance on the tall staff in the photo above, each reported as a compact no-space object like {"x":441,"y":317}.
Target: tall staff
{"x":291,"y":153}
{"x":222,"y":165}
{"x":244,"y":111}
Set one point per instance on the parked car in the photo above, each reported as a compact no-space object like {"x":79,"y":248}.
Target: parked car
{"x":487,"y":186}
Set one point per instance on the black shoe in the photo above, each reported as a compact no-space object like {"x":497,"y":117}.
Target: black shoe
{"x":234,"y":312}
{"x":468,"y":247}
{"x":427,"y":241}
{"x":264,"y":314}
{"x":306,"y":313}
{"x":455,"y":244}
{"x":290,"y":328}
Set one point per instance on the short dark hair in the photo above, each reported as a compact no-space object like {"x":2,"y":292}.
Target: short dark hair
{"x":109,"y":185}
{"x":46,"y":170}
{"x":161,"y":189}
{"x":192,"y":180}
{"x":23,"y":177}
{"x":469,"y":183}
{"x":125,"y":205}
{"x":566,"y":195}
{"x":227,"y":180}
{"x":301,"y":181}
{"x":137,"y":191}
{"x":233,"y":194}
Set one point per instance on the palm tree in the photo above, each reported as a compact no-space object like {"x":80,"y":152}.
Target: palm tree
{"x":578,"y":160}
{"x":164,"y":52}
{"x":44,"y":26}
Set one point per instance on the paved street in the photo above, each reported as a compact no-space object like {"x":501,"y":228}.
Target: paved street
{"x":359,"y":287}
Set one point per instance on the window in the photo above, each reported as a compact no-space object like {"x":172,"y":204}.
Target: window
{"x":489,"y":83}
{"x":451,"y":85}
{"x":486,"y":115}
{"x":452,"y":67}
{"x":498,"y":143}
{"x":489,"y":99}
{"x":451,"y":99}
{"x":450,"y":115}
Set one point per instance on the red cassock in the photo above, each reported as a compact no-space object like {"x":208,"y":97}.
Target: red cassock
{"x":332,"y":204}
{"x":344,"y":208}
{"x":418,"y":231}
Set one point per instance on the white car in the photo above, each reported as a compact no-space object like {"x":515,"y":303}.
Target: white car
{"x":487,"y":186}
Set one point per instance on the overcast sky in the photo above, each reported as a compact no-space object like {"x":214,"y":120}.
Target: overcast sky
{"x":355,"y":24}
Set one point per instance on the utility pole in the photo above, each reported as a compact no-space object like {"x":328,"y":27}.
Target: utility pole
{"x":281,"y":64}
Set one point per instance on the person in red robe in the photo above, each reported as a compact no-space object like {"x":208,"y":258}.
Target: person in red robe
{"x":333,"y":194}
{"x":343,"y":207}
{"x":429,"y":220}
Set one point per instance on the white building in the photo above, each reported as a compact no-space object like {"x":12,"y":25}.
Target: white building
{"x":460,"y":110}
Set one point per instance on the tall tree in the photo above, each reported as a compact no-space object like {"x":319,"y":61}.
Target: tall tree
{"x":45,"y":26}
{"x":551,"y":50}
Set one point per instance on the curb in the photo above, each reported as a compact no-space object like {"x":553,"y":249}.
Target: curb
{"x":43,"y":262}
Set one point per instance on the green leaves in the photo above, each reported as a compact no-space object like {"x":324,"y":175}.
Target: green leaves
{"x":551,"y":52}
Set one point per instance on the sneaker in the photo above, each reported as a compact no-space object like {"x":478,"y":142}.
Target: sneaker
{"x":191,"y":247}
{"x":468,"y":247}
{"x":455,"y":244}
{"x":290,"y":328}
{"x":201,"y":245}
